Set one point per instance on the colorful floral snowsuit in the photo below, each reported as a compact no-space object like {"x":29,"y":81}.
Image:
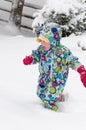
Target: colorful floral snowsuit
{"x":53,"y":67}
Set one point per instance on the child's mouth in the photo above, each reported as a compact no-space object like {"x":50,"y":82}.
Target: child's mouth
{"x":44,"y":48}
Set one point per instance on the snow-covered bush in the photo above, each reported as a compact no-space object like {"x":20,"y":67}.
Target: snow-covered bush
{"x":70,"y":15}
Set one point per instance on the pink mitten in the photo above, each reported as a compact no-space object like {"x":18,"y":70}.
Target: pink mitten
{"x":27,"y":60}
{"x":82,"y":73}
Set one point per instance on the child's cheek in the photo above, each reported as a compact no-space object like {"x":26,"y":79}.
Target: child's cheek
{"x":48,"y":46}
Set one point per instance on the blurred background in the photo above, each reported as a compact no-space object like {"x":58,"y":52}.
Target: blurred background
{"x":27,"y":15}
{"x":19,"y":13}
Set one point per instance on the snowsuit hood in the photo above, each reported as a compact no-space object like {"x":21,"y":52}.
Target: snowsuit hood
{"x":52,"y":32}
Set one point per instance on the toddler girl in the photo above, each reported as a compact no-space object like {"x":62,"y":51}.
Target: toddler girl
{"x":54,"y":62}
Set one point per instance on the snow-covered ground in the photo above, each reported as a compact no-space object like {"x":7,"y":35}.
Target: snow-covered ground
{"x":20,"y":108}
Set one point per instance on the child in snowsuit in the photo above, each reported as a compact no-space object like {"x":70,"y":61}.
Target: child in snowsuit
{"x":54,"y":62}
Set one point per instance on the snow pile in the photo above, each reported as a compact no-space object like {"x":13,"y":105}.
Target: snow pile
{"x":70,"y":15}
{"x":8,"y":29}
{"x":76,"y":41}
{"x":82,"y":42}
{"x":61,"y":6}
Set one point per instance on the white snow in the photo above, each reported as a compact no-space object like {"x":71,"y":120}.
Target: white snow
{"x":62,"y":6}
{"x":59,"y":7}
{"x":20,"y":108}
{"x":75,"y":8}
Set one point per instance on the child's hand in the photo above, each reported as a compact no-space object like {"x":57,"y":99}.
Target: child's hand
{"x":83,"y":78}
{"x":27,"y":60}
{"x":82,"y":72}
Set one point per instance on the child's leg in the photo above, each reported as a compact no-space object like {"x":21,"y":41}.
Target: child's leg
{"x":62,"y":98}
{"x":51,"y":106}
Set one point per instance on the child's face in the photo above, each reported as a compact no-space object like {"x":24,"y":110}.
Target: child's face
{"x":46,"y":46}
{"x":44,"y":42}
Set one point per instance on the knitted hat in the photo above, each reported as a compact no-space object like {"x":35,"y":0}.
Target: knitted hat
{"x":50,"y":31}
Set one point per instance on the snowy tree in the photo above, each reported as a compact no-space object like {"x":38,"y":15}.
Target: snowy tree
{"x":70,"y":15}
